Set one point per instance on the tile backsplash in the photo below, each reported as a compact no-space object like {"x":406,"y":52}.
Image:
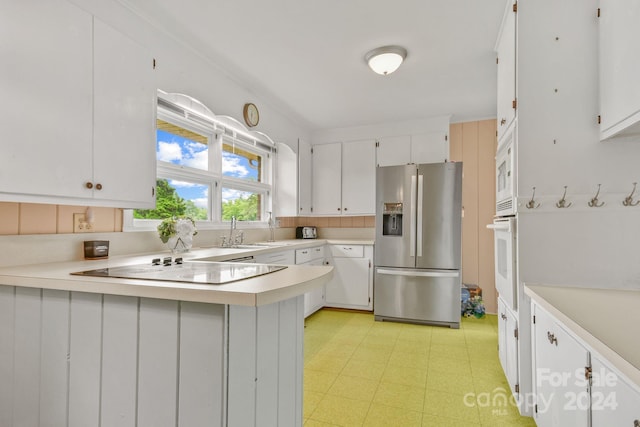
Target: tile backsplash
{"x":368,"y":221}
{"x":34,"y":218}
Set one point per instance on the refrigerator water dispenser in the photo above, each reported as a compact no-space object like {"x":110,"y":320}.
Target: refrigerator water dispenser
{"x":392,"y":219}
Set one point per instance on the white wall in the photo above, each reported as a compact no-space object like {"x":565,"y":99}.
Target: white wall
{"x":181,"y":69}
{"x":558,"y":145}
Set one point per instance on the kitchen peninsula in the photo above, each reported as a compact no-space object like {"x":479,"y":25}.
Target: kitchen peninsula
{"x":89,"y":351}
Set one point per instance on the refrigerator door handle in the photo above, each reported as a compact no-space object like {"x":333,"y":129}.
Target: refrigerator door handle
{"x":417,"y":273}
{"x":412,"y":217}
{"x":419,"y":208}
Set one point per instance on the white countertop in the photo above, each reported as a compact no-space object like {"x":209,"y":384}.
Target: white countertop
{"x":266,"y":289}
{"x":607,"y":320}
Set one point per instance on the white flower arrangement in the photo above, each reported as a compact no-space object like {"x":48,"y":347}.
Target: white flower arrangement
{"x":178,"y":233}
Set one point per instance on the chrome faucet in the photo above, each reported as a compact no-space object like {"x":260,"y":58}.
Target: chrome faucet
{"x":272,"y":231}
{"x":234,"y":224}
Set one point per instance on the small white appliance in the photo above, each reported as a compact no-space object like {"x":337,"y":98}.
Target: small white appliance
{"x":506,"y":175}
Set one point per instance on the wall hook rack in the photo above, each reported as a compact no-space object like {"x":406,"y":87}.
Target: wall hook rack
{"x":628,"y":201}
{"x":562,"y":203}
{"x":531,"y":204}
{"x":594,"y":202}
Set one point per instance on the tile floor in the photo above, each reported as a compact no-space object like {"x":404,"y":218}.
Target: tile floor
{"x":358,"y":372}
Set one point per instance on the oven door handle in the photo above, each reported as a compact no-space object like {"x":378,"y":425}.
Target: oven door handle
{"x":500,"y":226}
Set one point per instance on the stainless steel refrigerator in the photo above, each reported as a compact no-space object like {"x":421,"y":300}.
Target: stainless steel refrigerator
{"x":417,"y":248}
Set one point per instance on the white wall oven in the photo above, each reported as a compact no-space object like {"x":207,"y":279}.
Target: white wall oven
{"x":505,"y":259}
{"x":506,"y":175}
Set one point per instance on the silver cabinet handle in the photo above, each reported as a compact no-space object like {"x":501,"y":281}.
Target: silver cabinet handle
{"x":552,"y":338}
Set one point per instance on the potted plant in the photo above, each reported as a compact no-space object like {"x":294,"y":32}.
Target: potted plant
{"x":177,"y":233}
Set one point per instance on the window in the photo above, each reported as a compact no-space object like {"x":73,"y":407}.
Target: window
{"x":207,"y":169}
{"x":243,"y":189}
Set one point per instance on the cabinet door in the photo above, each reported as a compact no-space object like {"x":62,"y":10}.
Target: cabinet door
{"x":327,"y":181}
{"x":350,"y":284}
{"x":619,"y":68}
{"x":124,"y":119}
{"x":511,"y":340}
{"x":508,"y":344}
{"x":359,"y":177}
{"x":286,"y":182}
{"x":562,"y":394}
{"x":432,"y":147}
{"x":304,"y":178}
{"x":46,"y":108}
{"x":506,"y":50}
{"x":314,"y":300}
{"x":394,"y":150}
{"x":613,"y":401}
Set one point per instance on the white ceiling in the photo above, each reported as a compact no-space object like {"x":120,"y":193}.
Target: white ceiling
{"x":307,"y":56}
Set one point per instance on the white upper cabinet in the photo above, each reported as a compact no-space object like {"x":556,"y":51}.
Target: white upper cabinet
{"x":78,"y":118}
{"x":304,"y":177}
{"x":327,"y":181}
{"x":46,"y":111}
{"x":506,"y":62}
{"x":124,"y":129}
{"x":425,"y":147}
{"x":394,"y":150}
{"x":431,"y":147}
{"x":344,"y":178}
{"x":619,"y":68}
{"x":286,"y":182}
{"x":358,"y":177}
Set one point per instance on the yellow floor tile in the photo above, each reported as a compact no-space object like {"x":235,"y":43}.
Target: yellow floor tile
{"x":450,"y":382}
{"x":400,"y":396}
{"x":414,"y":377}
{"x":453,"y":406}
{"x":387,"y":416}
{"x":318,"y":381}
{"x":449,"y":351}
{"x":362,"y":369}
{"x":411,"y":360}
{"x":435,"y":421}
{"x":354,"y":388}
{"x":311,"y":400}
{"x":340,"y":411}
{"x":326,"y":363}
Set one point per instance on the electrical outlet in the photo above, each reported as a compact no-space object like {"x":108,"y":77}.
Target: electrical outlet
{"x":80,"y":224}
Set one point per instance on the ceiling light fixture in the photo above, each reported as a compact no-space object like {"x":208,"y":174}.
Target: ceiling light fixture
{"x":385,"y":60}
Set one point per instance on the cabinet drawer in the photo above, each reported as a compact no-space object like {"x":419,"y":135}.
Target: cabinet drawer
{"x":308,"y":254}
{"x":282,"y":258}
{"x":347,"y":251}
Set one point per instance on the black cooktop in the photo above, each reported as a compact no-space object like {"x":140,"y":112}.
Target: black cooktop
{"x":212,"y":273}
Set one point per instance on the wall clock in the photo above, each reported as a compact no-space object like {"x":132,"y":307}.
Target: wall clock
{"x":251,"y":115}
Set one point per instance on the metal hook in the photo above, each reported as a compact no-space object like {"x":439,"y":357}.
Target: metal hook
{"x":594,"y":202}
{"x":628,"y":201}
{"x":531,"y":204}
{"x":562,"y":203}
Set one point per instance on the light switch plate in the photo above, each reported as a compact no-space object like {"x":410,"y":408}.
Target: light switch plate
{"x":80,"y":224}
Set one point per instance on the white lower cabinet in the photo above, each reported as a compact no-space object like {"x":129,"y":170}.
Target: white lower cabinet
{"x":575,"y":386}
{"x":508,"y":345}
{"x":559,"y":366}
{"x":614,"y":402}
{"x":352,"y":282}
{"x":313,"y":300}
